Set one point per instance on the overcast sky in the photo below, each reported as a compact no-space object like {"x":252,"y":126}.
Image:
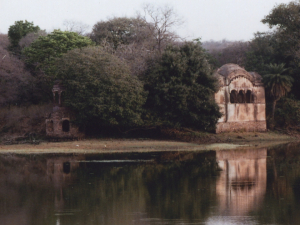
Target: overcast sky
{"x":208,"y":19}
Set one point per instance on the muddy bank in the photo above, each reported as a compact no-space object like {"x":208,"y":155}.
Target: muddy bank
{"x":195,"y":142}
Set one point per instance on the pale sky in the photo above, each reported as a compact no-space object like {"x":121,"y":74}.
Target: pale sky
{"x":208,"y":19}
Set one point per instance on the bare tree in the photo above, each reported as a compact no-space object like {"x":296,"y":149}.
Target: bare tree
{"x":163,"y":21}
{"x":76,"y":26}
{"x":14,"y":78}
{"x":4,"y":41}
{"x":31,"y":37}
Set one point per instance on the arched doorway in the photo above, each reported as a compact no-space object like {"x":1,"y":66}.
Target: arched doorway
{"x":66,"y":125}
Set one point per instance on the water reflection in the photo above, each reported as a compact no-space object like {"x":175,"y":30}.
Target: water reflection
{"x":242,"y":184}
{"x":214,"y":187}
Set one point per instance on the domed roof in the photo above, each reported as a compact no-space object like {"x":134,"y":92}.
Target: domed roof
{"x":231,"y":71}
{"x":227,"y":69}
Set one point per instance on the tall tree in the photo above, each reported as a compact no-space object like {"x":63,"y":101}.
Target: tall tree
{"x":277,"y":84}
{"x":264,"y":49}
{"x":181,"y":88}
{"x":19,"y":30}
{"x":163,"y":21}
{"x":100,"y":89}
{"x":120,"y":31}
{"x":286,"y":19}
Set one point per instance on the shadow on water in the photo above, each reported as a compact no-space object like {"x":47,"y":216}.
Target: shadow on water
{"x":258,"y":186}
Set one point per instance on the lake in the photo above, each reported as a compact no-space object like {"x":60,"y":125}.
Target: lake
{"x":247,"y":186}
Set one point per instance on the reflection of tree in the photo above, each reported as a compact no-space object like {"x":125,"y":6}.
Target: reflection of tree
{"x":184,"y":190}
{"x":242,"y":184}
{"x":281,"y":204}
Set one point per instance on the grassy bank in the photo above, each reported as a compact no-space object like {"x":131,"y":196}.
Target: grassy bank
{"x":198,"y":142}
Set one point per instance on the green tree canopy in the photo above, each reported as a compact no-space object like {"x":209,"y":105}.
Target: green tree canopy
{"x":19,"y":30}
{"x":181,"y":88}
{"x":285,"y":17}
{"x":277,"y":84}
{"x":100,"y":89}
{"x":46,"y":49}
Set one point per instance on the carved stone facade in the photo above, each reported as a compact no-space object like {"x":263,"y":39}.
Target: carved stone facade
{"x":241,"y":98}
{"x":58,"y":124}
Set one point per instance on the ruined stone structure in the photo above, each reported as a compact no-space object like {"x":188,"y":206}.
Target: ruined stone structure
{"x":241,"y":98}
{"x":58,"y":124}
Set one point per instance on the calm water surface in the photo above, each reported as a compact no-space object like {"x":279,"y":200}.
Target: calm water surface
{"x":258,"y":186}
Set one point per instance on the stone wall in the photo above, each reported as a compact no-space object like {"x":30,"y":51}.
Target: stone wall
{"x":248,"y":126}
{"x":58,"y":125}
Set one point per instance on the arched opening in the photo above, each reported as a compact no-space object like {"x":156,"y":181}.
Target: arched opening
{"x":50,"y":126}
{"x":241,"y":97}
{"x":233,"y":96}
{"x":249,"y":97}
{"x":66,"y":167}
{"x":66,"y":125}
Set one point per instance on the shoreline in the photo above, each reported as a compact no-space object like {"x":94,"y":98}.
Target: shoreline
{"x":200,"y":142}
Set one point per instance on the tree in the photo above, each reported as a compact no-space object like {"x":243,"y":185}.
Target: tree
{"x":264,"y":49}
{"x":277,"y":84}
{"x":19,"y":30}
{"x":286,"y":19}
{"x":181,"y":88}
{"x":162,"y":21}
{"x":31,"y":37}
{"x":43,"y":52}
{"x":15,"y":80}
{"x":138,"y":38}
{"x":232,"y":52}
{"x":100,"y":89}
{"x":76,"y":26}
{"x":120,"y":31}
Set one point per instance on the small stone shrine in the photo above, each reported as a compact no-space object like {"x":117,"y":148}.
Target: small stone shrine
{"x":241,"y":98}
{"x":58,"y":124}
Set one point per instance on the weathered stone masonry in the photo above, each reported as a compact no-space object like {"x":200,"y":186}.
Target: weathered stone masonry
{"x":241,"y":98}
{"x":58,"y":124}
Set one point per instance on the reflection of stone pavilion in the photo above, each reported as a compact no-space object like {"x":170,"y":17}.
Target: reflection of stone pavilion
{"x":60,"y":172}
{"x":242,"y":184}
{"x":241,"y":98}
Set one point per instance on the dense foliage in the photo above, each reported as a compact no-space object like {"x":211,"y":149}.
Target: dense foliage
{"x":288,"y":114}
{"x":276,"y":83}
{"x":100,"y":89}
{"x":181,"y":88}
{"x":46,"y":49}
{"x":19,"y":30}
